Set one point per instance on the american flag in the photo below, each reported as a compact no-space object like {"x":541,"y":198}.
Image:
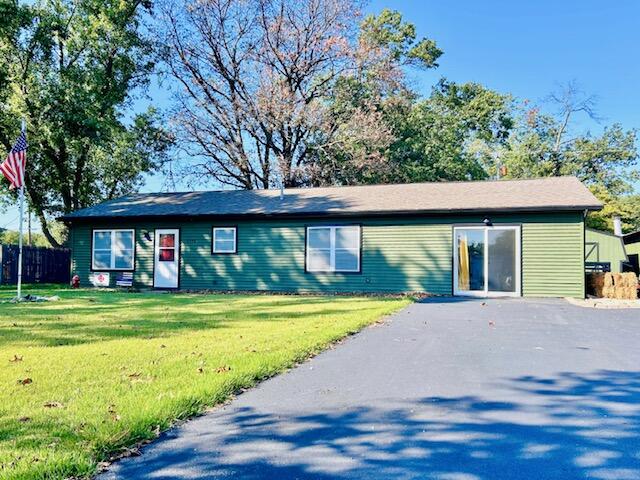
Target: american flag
{"x":13,"y":167}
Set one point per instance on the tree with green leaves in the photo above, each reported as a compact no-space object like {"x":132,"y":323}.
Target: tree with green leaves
{"x":546,"y":144}
{"x":11,"y":237}
{"x":441,"y":136}
{"x":407,"y":138}
{"x":71,"y":68}
{"x":369,"y":102}
{"x":447,"y":136}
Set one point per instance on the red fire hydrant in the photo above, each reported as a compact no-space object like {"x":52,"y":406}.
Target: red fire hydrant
{"x":75,"y":281}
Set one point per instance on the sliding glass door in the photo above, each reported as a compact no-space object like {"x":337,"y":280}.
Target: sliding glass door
{"x":486,"y":261}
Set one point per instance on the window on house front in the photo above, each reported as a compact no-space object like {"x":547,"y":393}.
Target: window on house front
{"x":224,"y":240}
{"x":112,"y":250}
{"x":333,"y":249}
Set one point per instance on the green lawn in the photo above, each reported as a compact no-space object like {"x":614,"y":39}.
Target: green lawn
{"x":88,"y":376}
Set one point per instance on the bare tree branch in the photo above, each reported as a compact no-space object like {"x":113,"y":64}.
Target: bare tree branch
{"x":254,"y":74}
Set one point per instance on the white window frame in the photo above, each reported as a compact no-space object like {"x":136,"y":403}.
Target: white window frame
{"x":332,"y":249}
{"x":235,"y":239}
{"x":112,"y":250}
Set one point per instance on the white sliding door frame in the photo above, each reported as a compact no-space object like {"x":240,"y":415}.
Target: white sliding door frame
{"x":485,"y":292}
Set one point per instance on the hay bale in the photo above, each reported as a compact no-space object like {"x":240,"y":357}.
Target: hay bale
{"x":630,"y":279}
{"x":617,"y":279}
{"x":622,"y":281}
{"x":608,"y":279}
{"x":620,"y":293}
{"x":608,"y":291}
{"x":624,"y":293}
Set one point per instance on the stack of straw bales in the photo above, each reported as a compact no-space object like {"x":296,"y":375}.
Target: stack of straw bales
{"x":622,"y":286}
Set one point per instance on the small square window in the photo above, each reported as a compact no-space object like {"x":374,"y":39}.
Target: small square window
{"x":224,"y":240}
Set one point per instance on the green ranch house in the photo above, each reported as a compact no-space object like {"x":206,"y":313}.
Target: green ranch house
{"x":487,"y":238}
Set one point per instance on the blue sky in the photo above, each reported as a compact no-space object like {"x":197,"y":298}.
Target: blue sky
{"x":523,"y":48}
{"x":526,"y":48}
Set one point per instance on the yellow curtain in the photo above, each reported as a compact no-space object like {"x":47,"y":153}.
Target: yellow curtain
{"x":463,"y":263}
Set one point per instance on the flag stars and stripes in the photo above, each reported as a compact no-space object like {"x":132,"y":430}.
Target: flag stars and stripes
{"x":14,"y":165}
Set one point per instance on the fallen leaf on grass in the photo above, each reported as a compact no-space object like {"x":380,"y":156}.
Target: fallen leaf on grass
{"x":53,"y":405}
{"x":24,"y":419}
{"x":200,"y":370}
{"x":16,"y":358}
{"x":114,"y":414}
{"x":223,"y":369}
{"x":134,"y":375}
{"x":25,"y":381}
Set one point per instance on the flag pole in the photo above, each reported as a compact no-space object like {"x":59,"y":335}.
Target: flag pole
{"x":24,"y":127}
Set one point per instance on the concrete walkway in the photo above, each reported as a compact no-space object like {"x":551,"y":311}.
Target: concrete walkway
{"x":446,"y":389}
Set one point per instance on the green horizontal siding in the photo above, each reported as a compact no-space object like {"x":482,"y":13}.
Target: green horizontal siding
{"x":605,"y":247}
{"x":81,"y":253}
{"x":271,"y":257}
{"x":552,"y":257}
{"x":398,"y":255}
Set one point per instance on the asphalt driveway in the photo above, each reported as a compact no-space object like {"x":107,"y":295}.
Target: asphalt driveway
{"x":446,"y":389}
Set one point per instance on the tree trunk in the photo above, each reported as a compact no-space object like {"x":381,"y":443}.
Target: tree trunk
{"x":35,"y":203}
{"x":45,"y":230}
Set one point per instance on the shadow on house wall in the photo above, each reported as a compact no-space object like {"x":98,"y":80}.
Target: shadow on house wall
{"x":271,"y":256}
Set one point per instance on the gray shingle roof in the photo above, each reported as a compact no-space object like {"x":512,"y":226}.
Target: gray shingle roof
{"x":556,"y":193}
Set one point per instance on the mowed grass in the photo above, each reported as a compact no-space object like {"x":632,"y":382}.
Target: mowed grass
{"x":87,"y":377}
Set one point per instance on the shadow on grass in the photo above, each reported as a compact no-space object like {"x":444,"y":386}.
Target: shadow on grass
{"x":571,"y":426}
{"x":86,"y":316}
